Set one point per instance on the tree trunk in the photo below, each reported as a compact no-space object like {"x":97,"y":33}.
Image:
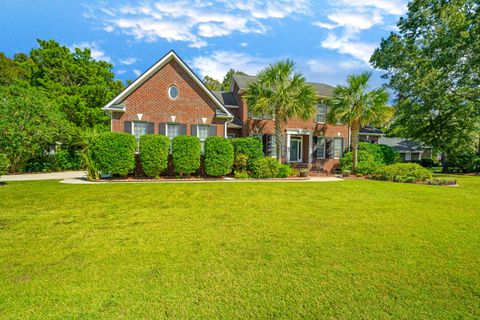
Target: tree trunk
{"x":444,"y":162}
{"x":278,"y":138}
{"x":355,"y":131}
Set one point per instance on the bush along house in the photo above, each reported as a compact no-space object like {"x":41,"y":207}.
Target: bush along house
{"x":170,"y":99}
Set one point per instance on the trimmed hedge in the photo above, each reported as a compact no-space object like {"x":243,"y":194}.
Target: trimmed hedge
{"x":401,"y":172}
{"x":250,"y":147}
{"x":186,"y":154}
{"x":154,"y":154}
{"x":4,"y":164}
{"x":218,"y":156}
{"x":381,"y":152}
{"x":265,"y":167}
{"x":114,"y":153}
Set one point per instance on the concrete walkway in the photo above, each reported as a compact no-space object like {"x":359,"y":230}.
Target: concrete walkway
{"x":45,"y":176}
{"x":78,"y":177}
{"x":227,"y":180}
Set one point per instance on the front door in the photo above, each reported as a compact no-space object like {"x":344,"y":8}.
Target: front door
{"x":295,"y":149}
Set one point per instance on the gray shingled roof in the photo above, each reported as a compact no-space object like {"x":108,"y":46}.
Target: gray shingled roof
{"x":321,"y":88}
{"x":370,"y":130}
{"x":401,"y":144}
{"x":226,"y":97}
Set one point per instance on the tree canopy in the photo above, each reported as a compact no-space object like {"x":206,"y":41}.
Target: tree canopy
{"x":433,"y":65}
{"x":358,"y":106}
{"x":282,"y":93}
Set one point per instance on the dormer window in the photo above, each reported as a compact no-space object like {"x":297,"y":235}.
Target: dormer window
{"x":173,"y":92}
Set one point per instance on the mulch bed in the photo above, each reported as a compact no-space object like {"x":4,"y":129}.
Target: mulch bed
{"x":193,"y":178}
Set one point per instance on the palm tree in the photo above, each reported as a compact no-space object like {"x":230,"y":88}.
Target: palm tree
{"x":283,"y":94}
{"x":355,"y":105}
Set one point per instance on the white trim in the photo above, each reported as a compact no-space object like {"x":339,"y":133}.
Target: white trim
{"x":300,"y":150}
{"x":310,"y":147}
{"x":170,"y":87}
{"x":299,"y":131}
{"x":157,"y":66}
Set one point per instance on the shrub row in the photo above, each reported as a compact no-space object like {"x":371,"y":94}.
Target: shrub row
{"x":114,"y":153}
{"x":370,"y":157}
{"x":403,"y":172}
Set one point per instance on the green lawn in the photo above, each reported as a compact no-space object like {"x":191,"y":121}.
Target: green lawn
{"x":338,"y":250}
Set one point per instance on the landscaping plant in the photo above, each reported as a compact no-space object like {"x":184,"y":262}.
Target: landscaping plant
{"x":250,"y":147}
{"x":265,"y":167}
{"x":400,"y":172}
{"x":114,"y":153}
{"x":186,"y":151}
{"x":284,"y":171}
{"x":4,"y":164}
{"x":154,"y":154}
{"x":218,"y":156}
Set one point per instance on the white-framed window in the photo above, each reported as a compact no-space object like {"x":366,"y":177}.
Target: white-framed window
{"x":139,"y":129}
{"x":202,"y":134}
{"x":231,"y":136}
{"x":173,"y":92}
{"x":321,"y":147}
{"x":321,"y":116}
{"x":337,"y":148}
{"x":173,"y":130}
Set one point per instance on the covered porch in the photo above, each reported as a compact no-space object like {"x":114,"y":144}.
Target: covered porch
{"x":299,"y":146}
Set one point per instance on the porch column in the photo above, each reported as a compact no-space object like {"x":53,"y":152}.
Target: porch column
{"x":310,"y":146}
{"x":287,"y":156}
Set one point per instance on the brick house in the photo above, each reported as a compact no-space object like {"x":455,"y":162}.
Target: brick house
{"x":170,"y":99}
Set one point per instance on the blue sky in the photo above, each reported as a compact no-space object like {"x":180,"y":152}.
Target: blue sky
{"x":327,"y":39}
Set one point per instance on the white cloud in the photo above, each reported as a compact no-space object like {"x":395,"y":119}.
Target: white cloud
{"x":128,"y":61}
{"x":193,"y":22}
{"x":137,"y":72}
{"x":358,"y":49}
{"x":349,"y":19}
{"x":243,"y":44}
{"x":95,"y":51}
{"x":218,"y":63}
{"x":121,"y":72}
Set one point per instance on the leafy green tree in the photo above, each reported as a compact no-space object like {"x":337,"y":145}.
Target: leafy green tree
{"x":30,"y":123}
{"x":433,"y":65}
{"x":79,"y":84}
{"x":227,"y":79}
{"x":211,"y":83}
{"x":355,"y":105}
{"x":10,"y":71}
{"x":283,"y":94}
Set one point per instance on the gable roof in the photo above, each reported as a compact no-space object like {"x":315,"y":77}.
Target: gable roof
{"x":401,"y":144}
{"x":369,"y":130}
{"x":226,"y":97}
{"x":321,"y":88}
{"x":115,"y":103}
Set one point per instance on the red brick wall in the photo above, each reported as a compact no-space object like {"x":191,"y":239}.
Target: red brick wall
{"x":268,"y":127}
{"x":151,"y":99}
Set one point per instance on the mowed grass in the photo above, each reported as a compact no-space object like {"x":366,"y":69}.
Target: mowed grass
{"x":337,"y":250}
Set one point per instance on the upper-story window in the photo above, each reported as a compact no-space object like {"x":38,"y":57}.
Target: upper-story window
{"x":173,"y":92}
{"x":321,"y":113}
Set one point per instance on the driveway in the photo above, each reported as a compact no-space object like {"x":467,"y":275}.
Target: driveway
{"x":44,"y":176}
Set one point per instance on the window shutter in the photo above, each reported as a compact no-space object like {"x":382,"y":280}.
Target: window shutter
{"x":194,"y":130}
{"x":328,"y":148}
{"x":183,"y":129}
{"x":314,"y":148}
{"x":162,"y":128}
{"x":213,"y":131}
{"x":151,"y":128}
{"x":265,"y":144}
{"x":127,"y":126}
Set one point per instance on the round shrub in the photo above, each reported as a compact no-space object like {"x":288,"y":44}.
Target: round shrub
{"x":4,"y":164}
{"x":284,"y":171}
{"x":114,"y":153}
{"x":241,"y":175}
{"x":265,"y":167}
{"x":400,"y":171}
{"x":186,"y":154}
{"x":218,"y":156}
{"x":154,"y":154}
{"x":240,"y":162}
{"x":250,"y":147}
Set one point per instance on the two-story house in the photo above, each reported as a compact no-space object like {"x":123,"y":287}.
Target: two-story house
{"x":170,"y":99}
